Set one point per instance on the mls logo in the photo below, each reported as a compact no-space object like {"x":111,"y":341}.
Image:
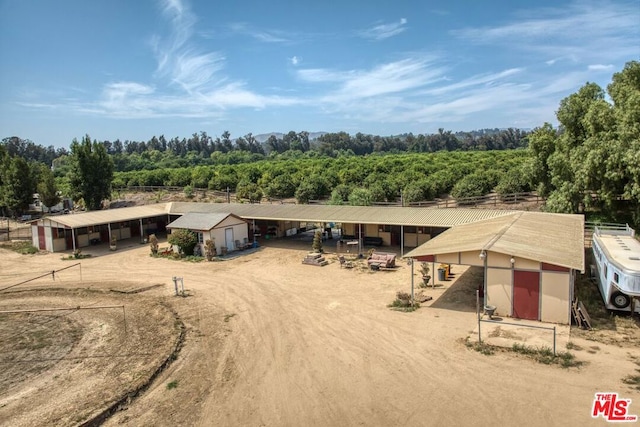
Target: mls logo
{"x":612,"y":408}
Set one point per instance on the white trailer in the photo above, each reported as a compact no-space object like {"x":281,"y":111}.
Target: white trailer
{"x":616,"y":253}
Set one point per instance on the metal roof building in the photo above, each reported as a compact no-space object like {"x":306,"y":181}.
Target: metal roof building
{"x":530,"y":260}
{"x":446,"y":217}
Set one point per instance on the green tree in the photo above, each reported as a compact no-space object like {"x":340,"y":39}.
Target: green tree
{"x":340,"y":194}
{"x":91,"y":172}
{"x":249,"y":190}
{"x":47,"y":189}
{"x":184,"y":239}
{"x":542,"y":143}
{"x":360,"y":197}
{"x":18,"y":185}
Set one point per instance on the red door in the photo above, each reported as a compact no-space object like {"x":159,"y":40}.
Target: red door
{"x":42,"y":243}
{"x":526,"y":294}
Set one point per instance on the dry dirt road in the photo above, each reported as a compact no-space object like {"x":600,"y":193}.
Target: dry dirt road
{"x":272,"y":342}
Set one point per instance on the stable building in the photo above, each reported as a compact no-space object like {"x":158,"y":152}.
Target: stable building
{"x":530,"y":261}
{"x":58,"y":233}
{"x":228,"y":231}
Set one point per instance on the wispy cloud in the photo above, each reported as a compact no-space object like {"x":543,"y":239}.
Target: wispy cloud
{"x":584,"y":29}
{"x":600,"y":67}
{"x":386,"y":79}
{"x":259,"y":34}
{"x":384,"y":31}
{"x":295,"y":60}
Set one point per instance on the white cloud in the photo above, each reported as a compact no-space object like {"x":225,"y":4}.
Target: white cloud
{"x":259,"y":34}
{"x":384,"y":31}
{"x":581,"y":31}
{"x":600,"y":67}
{"x":294,"y":60}
{"x":393,"y":77}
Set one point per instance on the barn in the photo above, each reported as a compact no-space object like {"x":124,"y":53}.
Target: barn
{"x":228,"y":231}
{"x":530,"y":261}
{"x":59,"y":233}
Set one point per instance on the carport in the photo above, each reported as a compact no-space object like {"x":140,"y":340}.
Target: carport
{"x":530,"y":260}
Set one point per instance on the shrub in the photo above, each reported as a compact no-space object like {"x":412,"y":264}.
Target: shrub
{"x":210,"y":249}
{"x":153,"y":244}
{"x":403,"y":303}
{"x":188,"y":192}
{"x":317,"y":241}
{"x":185,"y":239}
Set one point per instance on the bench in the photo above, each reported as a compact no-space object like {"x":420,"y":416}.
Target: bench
{"x":372,"y":241}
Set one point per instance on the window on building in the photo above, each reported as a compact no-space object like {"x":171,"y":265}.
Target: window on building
{"x":200,"y":237}
{"x":409,"y":229}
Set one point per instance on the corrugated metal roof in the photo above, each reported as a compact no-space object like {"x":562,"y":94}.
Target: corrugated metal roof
{"x":85,"y":219}
{"x":347,"y":214}
{"x":199,"y":221}
{"x":551,"y":238}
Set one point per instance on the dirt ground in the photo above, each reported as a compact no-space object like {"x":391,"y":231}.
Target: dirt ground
{"x":269,"y":341}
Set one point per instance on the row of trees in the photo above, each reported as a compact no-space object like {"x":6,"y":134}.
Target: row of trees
{"x":201,"y":149}
{"x":89,"y":178}
{"x":593,"y":159}
{"x":351,"y":179}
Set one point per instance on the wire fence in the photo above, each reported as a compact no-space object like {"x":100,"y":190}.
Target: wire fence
{"x":11,"y":229}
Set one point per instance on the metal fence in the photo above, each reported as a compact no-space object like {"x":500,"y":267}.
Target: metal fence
{"x":14,"y":230}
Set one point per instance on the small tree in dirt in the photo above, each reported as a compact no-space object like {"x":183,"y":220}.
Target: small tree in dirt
{"x":426,"y":277}
{"x":317,"y":241}
{"x":210,"y":249}
{"x":153,"y":244}
{"x":188,"y":192}
{"x":185,"y":239}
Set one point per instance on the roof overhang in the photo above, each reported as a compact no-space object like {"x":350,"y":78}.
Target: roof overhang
{"x":556,"y":239}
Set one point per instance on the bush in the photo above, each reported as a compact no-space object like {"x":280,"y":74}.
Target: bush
{"x":188,"y":192}
{"x":153,"y":244}
{"x":210,"y":250}
{"x":185,"y":239}
{"x":317,"y":242}
{"x":403,"y":303}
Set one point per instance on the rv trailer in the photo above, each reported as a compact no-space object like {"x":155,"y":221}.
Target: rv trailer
{"x":616,"y":253}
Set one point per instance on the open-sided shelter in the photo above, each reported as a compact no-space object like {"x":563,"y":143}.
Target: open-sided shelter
{"x":530,"y":261}
{"x":72,"y":231}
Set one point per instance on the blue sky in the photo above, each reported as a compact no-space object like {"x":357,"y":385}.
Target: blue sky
{"x":134,"y":69}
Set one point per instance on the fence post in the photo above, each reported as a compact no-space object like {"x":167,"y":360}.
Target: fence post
{"x":554,"y":340}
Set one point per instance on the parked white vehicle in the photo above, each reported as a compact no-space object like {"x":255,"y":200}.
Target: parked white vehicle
{"x":616,"y":254}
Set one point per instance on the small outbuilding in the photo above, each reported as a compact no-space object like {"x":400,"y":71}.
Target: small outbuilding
{"x":227,"y":230}
{"x":530,"y":261}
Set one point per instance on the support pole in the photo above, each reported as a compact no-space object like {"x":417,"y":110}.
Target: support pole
{"x":254,"y":232}
{"x":142,"y":240}
{"x":433,"y":274}
{"x":73,"y":238}
{"x":359,"y":240}
{"x":478,"y":312}
{"x":554,"y":340}
{"x":402,"y":242}
{"x":412,"y":262}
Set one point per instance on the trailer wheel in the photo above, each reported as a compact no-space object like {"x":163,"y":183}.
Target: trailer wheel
{"x":620,"y":300}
